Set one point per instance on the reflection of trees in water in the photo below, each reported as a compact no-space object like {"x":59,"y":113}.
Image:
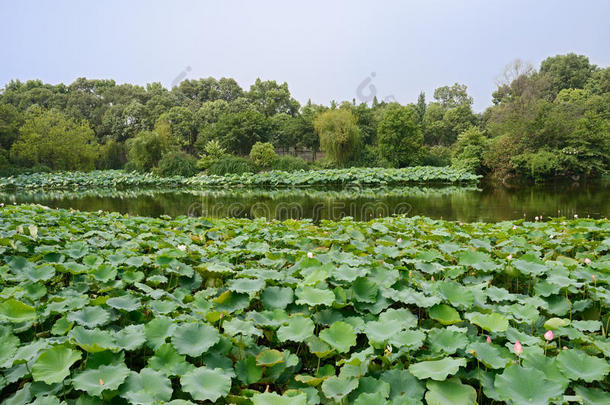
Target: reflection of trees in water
{"x":452,"y":203}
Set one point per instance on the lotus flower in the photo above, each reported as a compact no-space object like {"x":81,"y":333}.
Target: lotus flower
{"x":310,"y":255}
{"x":399,"y":240}
{"x":536,"y":218}
{"x":518,"y":348}
{"x":461,"y":223}
{"x":509,"y":257}
{"x":587,"y":260}
{"x":182,"y":247}
{"x":575,"y":216}
{"x":549,"y":335}
{"x":514,"y":227}
{"x":488,"y":339}
{"x":593,"y":277}
{"x":565,"y":348}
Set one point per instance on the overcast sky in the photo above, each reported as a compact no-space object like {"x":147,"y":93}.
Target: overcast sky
{"x":323,"y":49}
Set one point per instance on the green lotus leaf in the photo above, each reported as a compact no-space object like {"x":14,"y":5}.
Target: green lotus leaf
{"x":447,"y":341}
{"x":298,"y":329}
{"x":364,"y":290}
{"x":493,"y":322}
{"x":8,"y":348}
{"x":491,"y":355}
{"x":61,"y":326}
{"x":592,"y":396}
{"x":248,"y":371}
{"x":402,"y":315}
{"x":167,"y":361}
{"x":477,"y":260}
{"x":43,"y":272}
{"x":237,"y":326}
{"x":340,"y":335}
{"x":556,"y":323}
{"x":437,"y":369}
{"x":546,"y":364}
{"x":158,"y":330}
{"x":318,"y":347}
{"x":90,"y":317}
{"x":130,"y":337}
{"x":104,"y":272}
{"x":445,"y":314}
{"x":125,"y":303}
{"x":269,"y":357}
{"x":529,"y":267}
{"x":456,"y":294}
{"x":381,"y":331}
{"x":271,"y":398}
{"x":451,"y":391}
{"x":53,"y":365}
{"x":103,"y":378}
{"x":587,"y":326}
{"x":46,"y":400}
{"x":277,"y":297}
{"x":206,"y":384}
{"x":246,"y":285}
{"x":521,"y":385}
{"x":338,"y":388}
{"x":16,"y":311}
{"x":367,"y":398}
{"x":403,"y":386}
{"x":93,"y":340}
{"x":313,"y":296}
{"x":578,"y":365}
{"x":146,"y":387}
{"x":194,"y":339}
{"x":409,"y":339}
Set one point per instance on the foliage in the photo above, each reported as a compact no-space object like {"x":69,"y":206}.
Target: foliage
{"x":339,"y":135}
{"x":394,"y":310}
{"x":112,"y":155}
{"x":177,"y":164}
{"x":212,"y":153}
{"x":263,"y":154}
{"x":469,"y":151}
{"x":437,"y":155}
{"x":146,"y":150}
{"x":231,"y":165}
{"x":399,"y":136}
{"x":289,"y":164}
{"x":52,"y":139}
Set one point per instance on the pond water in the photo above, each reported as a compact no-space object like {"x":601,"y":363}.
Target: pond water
{"x":477,"y":203}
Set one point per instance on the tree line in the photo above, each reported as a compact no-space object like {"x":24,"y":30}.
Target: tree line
{"x":545,"y":122}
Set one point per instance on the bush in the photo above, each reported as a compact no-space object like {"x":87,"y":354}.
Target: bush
{"x":231,"y":165}
{"x":289,"y":164}
{"x":177,"y":164}
{"x":213,"y":152}
{"x":263,"y":154}
{"x":437,"y":155}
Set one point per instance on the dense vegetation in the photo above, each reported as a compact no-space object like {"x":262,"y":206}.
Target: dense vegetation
{"x":354,"y":176}
{"x":104,"y":307}
{"x":554,"y":121}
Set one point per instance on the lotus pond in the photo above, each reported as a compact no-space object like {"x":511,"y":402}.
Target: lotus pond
{"x":108,"y":308}
{"x":483,"y":202}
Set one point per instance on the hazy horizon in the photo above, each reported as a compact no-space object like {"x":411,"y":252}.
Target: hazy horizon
{"x":323,"y":50}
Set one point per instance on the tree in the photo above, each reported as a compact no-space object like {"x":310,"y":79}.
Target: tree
{"x":284,"y":131}
{"x":599,"y":83}
{"x":569,"y":71}
{"x":452,"y":96}
{"x":182,"y":123}
{"x":263,"y":154}
{"x":339,"y":135}
{"x":10,"y":121}
{"x":238,"y":131}
{"x":421,"y":106}
{"x":469,"y":150}
{"x":50,"y":138}
{"x":146,"y":149}
{"x":271,"y":98}
{"x":399,"y":136}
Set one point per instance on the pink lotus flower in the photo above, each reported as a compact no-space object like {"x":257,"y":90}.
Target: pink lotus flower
{"x":549,"y":335}
{"x":488,"y":339}
{"x":587,"y":260}
{"x":399,"y":240}
{"x":514,"y":227}
{"x":509,"y":257}
{"x":461,"y":223}
{"x":565,"y":348}
{"x":310,"y":255}
{"x":518,"y":348}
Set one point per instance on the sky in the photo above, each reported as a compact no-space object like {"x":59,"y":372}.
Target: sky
{"x":325,"y":50}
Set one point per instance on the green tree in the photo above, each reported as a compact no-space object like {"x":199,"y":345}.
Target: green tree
{"x":339,"y":135}
{"x":421,"y":106}
{"x":10,"y":121}
{"x":399,"y":136}
{"x":469,"y":150}
{"x":50,"y":138}
{"x":263,"y":154}
{"x":145,"y":150}
{"x":237,"y":132}
{"x":271,"y":98}
{"x":183,"y":126}
{"x":569,"y":71}
{"x":452,"y":96}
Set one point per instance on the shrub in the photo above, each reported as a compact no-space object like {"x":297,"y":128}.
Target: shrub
{"x":177,"y":164}
{"x":213,"y":152}
{"x":437,"y":155}
{"x":146,"y":149}
{"x":289,"y":164}
{"x":263,"y":154}
{"x":231,"y":165}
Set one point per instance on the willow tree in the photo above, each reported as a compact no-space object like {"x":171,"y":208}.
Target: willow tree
{"x":340,"y":137}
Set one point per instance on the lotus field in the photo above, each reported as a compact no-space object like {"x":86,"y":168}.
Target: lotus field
{"x":119,"y":179}
{"x":103,"y":308}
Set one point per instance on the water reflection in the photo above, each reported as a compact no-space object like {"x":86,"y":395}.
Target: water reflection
{"x":485,"y":203}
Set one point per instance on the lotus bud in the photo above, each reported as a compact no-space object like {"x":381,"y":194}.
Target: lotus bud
{"x":509,"y":257}
{"x":399,"y":240}
{"x":514,"y":227}
{"x":310,"y":255}
{"x":565,"y":348}
{"x":182,"y":247}
{"x":432,"y":278}
{"x":536,"y":218}
{"x":518,"y":348}
{"x":575,"y":216}
{"x":587,"y":260}
{"x":461,"y":223}
{"x":101,"y":382}
{"x":549,"y":335}
{"x":593,"y":277}
{"x":488,"y":339}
